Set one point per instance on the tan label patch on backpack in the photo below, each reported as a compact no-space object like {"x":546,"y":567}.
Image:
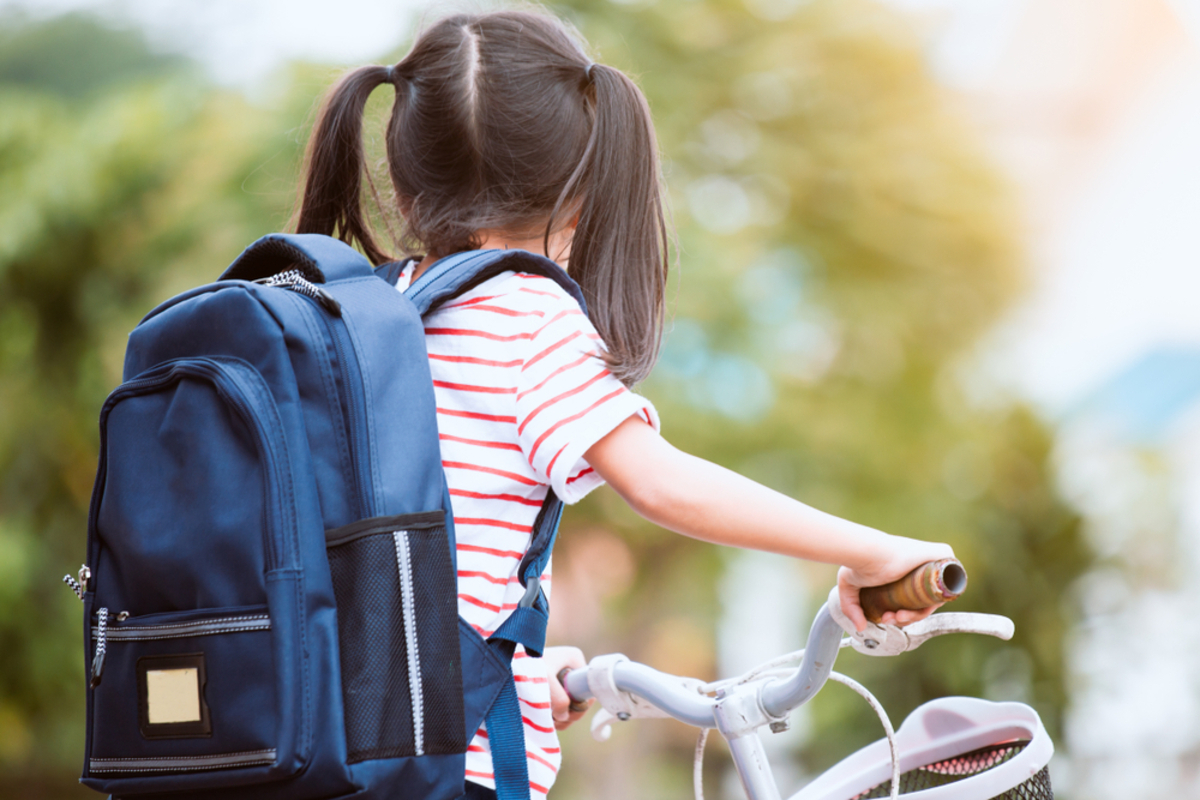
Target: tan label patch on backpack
{"x":173,"y":695}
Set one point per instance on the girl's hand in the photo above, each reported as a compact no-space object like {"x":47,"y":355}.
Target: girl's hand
{"x":896,"y":557}
{"x":555,"y":660}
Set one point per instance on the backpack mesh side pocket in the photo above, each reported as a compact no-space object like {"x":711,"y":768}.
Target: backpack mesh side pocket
{"x":398,"y":637}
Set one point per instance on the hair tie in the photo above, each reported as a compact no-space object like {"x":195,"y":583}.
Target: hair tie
{"x":587,"y":73}
{"x":389,"y":75}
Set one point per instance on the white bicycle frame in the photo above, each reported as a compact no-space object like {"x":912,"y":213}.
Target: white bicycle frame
{"x":938,"y":730}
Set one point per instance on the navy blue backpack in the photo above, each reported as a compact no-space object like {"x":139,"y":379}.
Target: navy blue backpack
{"x":269,"y":598}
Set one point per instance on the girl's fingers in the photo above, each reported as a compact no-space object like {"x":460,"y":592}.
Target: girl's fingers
{"x":557,"y":660}
{"x":848,"y":594}
{"x":907,"y":616}
{"x":852,"y":607}
{"x":559,"y":702}
{"x":571,"y":718}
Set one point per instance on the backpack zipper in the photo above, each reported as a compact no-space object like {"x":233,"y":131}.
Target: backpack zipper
{"x":184,"y":630}
{"x":292,"y":279}
{"x":348,"y":359}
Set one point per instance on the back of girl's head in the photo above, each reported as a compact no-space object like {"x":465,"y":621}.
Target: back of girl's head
{"x":502,"y":123}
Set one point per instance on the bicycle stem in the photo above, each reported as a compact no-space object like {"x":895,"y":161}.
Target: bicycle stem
{"x":824,"y":639}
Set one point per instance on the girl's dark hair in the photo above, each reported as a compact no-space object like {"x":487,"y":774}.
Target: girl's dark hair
{"x":503,"y":123}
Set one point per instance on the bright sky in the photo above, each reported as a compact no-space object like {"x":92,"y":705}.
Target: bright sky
{"x":242,"y":41}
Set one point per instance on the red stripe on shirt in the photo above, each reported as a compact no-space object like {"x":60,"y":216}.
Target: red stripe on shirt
{"x":503,"y":474}
{"x":528,"y":679}
{"x":567,"y":312}
{"x":508,"y":498}
{"x":491,"y":551}
{"x":475,"y":601}
{"x":570,"y":392}
{"x":479,"y":442}
{"x":527,"y":290}
{"x":508,"y":312}
{"x":550,"y":350}
{"x":472,"y":301}
{"x":535,"y":726}
{"x":481,"y":334}
{"x":580,"y":475}
{"x":486,"y":362}
{"x":572,"y":418}
{"x":466,"y":387}
{"x":495,"y":523}
{"x":558,"y":371}
{"x":538,"y":758}
{"x":550,"y":466}
{"x":449,"y":412}
{"x":532,"y":704}
{"x":487,"y":576}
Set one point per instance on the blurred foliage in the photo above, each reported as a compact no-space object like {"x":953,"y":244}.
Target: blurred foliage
{"x":109,"y":203}
{"x":843,"y":243}
{"x":75,"y":57}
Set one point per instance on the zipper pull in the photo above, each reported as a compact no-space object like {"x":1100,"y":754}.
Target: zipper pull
{"x":74,"y":584}
{"x":79,"y":587}
{"x":101,"y":647}
{"x":292,"y":279}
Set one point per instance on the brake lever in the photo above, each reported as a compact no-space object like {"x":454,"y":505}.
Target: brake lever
{"x":892,"y":640}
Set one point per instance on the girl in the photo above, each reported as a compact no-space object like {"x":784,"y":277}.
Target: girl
{"x":504,"y":134}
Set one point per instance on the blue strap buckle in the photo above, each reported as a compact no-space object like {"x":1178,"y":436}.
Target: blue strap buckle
{"x":533,"y":586}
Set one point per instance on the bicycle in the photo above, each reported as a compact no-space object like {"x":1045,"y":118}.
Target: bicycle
{"x":956,"y":748}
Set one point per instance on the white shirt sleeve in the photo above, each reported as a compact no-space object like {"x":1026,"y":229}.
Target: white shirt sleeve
{"x":567,"y":399}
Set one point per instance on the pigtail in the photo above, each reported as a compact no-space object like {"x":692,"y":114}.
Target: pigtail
{"x":335,"y":165}
{"x":619,"y":251}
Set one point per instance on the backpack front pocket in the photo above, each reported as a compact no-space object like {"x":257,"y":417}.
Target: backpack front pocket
{"x":195,"y":534}
{"x":398,"y":637}
{"x":181,"y":693}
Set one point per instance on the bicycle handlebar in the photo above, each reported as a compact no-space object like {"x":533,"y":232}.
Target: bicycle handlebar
{"x":661,"y":690}
{"x":928,"y":585}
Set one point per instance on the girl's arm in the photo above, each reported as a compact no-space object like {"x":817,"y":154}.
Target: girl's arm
{"x":695,"y":497}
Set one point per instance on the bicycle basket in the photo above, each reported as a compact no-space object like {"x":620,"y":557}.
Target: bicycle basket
{"x":965,"y":766}
{"x":955,"y":748}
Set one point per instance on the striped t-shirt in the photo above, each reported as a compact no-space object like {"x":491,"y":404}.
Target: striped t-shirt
{"x":521,"y":395}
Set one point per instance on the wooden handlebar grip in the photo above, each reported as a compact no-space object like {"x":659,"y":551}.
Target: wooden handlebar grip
{"x":929,"y":584}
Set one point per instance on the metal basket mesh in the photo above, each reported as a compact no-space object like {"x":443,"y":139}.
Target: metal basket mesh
{"x":964,"y":766}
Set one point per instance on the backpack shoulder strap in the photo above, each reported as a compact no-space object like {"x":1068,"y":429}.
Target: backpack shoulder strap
{"x":319,"y":259}
{"x":446,"y":279}
{"x":392,"y":270}
{"x":451,"y":276}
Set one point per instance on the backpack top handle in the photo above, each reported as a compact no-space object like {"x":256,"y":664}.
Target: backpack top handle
{"x":318,"y":259}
